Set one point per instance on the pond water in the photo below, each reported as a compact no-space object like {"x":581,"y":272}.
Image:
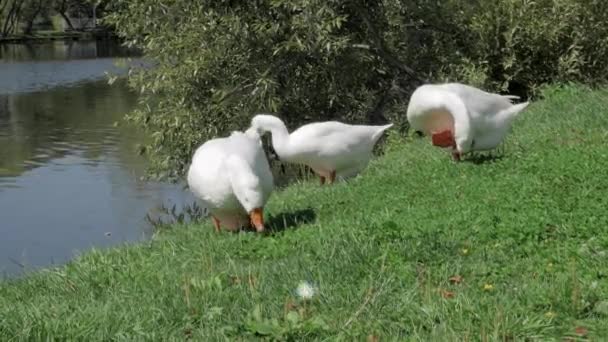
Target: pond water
{"x":70,"y":177}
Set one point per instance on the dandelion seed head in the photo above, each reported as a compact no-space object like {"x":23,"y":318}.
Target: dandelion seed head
{"x":305,"y":290}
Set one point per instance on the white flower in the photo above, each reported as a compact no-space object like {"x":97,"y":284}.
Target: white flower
{"x":305,"y":290}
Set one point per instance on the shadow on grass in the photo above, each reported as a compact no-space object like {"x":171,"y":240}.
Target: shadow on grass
{"x":485,"y":158}
{"x":290,"y":220}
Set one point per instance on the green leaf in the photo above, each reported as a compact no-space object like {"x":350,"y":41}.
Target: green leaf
{"x":601,"y":308}
{"x":293,"y":317}
{"x":257,"y":313}
{"x":263,"y":329}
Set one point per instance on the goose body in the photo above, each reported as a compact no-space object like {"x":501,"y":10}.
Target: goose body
{"x":332,"y":149}
{"x":462,"y":118}
{"x":232,"y":178}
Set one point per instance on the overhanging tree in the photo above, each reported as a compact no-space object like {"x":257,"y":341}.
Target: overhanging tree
{"x":217,"y":62}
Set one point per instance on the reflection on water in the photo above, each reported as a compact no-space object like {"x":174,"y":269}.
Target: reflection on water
{"x":41,"y":126}
{"x":69,"y":174}
{"x":44,"y":66}
{"x":63,"y":50}
{"x":37,"y":76}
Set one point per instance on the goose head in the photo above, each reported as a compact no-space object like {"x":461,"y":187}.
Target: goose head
{"x":443,"y":115}
{"x":248,"y":189}
{"x":264,"y":123}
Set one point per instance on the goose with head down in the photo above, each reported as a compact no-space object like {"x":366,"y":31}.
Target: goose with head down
{"x":232,"y":178}
{"x":331,"y":149}
{"x":462,"y":118}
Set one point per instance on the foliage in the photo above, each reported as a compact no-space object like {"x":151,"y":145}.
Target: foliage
{"x":525,"y":44}
{"x":32,"y":9}
{"x":15,"y":14}
{"x":219,"y":62}
{"x":10,"y":13}
{"x":416,"y":248}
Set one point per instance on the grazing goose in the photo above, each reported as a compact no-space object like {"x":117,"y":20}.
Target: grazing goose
{"x":232,"y":178}
{"x":462,"y":118}
{"x":332,"y":149}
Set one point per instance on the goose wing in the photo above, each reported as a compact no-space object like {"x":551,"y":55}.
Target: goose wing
{"x":479,"y":102}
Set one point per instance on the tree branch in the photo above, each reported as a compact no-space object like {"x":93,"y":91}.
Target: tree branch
{"x":3,"y":6}
{"x":32,"y":18}
{"x":383,"y":50}
{"x":62,"y":8}
{"x":12,"y":18}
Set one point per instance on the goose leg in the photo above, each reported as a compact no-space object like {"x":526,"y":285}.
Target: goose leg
{"x":332,"y":177}
{"x":216,"y":223}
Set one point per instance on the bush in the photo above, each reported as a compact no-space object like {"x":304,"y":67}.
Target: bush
{"x":220,"y":61}
{"x":526,"y":44}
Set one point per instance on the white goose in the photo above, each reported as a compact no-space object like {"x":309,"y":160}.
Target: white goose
{"x":232,"y":178}
{"x":332,"y":149}
{"x":462,"y":118}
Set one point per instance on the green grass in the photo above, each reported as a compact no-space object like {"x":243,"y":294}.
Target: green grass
{"x":528,"y":234}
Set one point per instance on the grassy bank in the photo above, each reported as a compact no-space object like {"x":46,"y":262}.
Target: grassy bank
{"x":417,"y":248}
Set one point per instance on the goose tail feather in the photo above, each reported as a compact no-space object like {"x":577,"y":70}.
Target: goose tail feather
{"x":380,"y":130}
{"x":513,"y":111}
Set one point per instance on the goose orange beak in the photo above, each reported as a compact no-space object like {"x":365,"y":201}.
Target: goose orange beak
{"x":257,"y":219}
{"x":444,"y":139}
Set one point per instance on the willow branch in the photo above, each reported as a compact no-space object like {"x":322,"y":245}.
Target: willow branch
{"x":383,"y":50}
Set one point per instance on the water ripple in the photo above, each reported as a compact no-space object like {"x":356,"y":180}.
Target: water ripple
{"x":39,"y":76}
{"x":67,"y":174}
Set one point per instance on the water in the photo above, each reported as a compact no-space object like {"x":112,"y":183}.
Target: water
{"x":70,"y":177}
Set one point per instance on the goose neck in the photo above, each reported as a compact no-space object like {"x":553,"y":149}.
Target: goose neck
{"x":280,"y":138}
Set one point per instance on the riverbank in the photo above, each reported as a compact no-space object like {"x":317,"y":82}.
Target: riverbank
{"x":44,"y":36}
{"x":418,"y":247}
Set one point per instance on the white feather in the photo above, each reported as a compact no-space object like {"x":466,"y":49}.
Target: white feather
{"x":479,"y":120}
{"x":231,"y":176}
{"x":323,"y":146}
